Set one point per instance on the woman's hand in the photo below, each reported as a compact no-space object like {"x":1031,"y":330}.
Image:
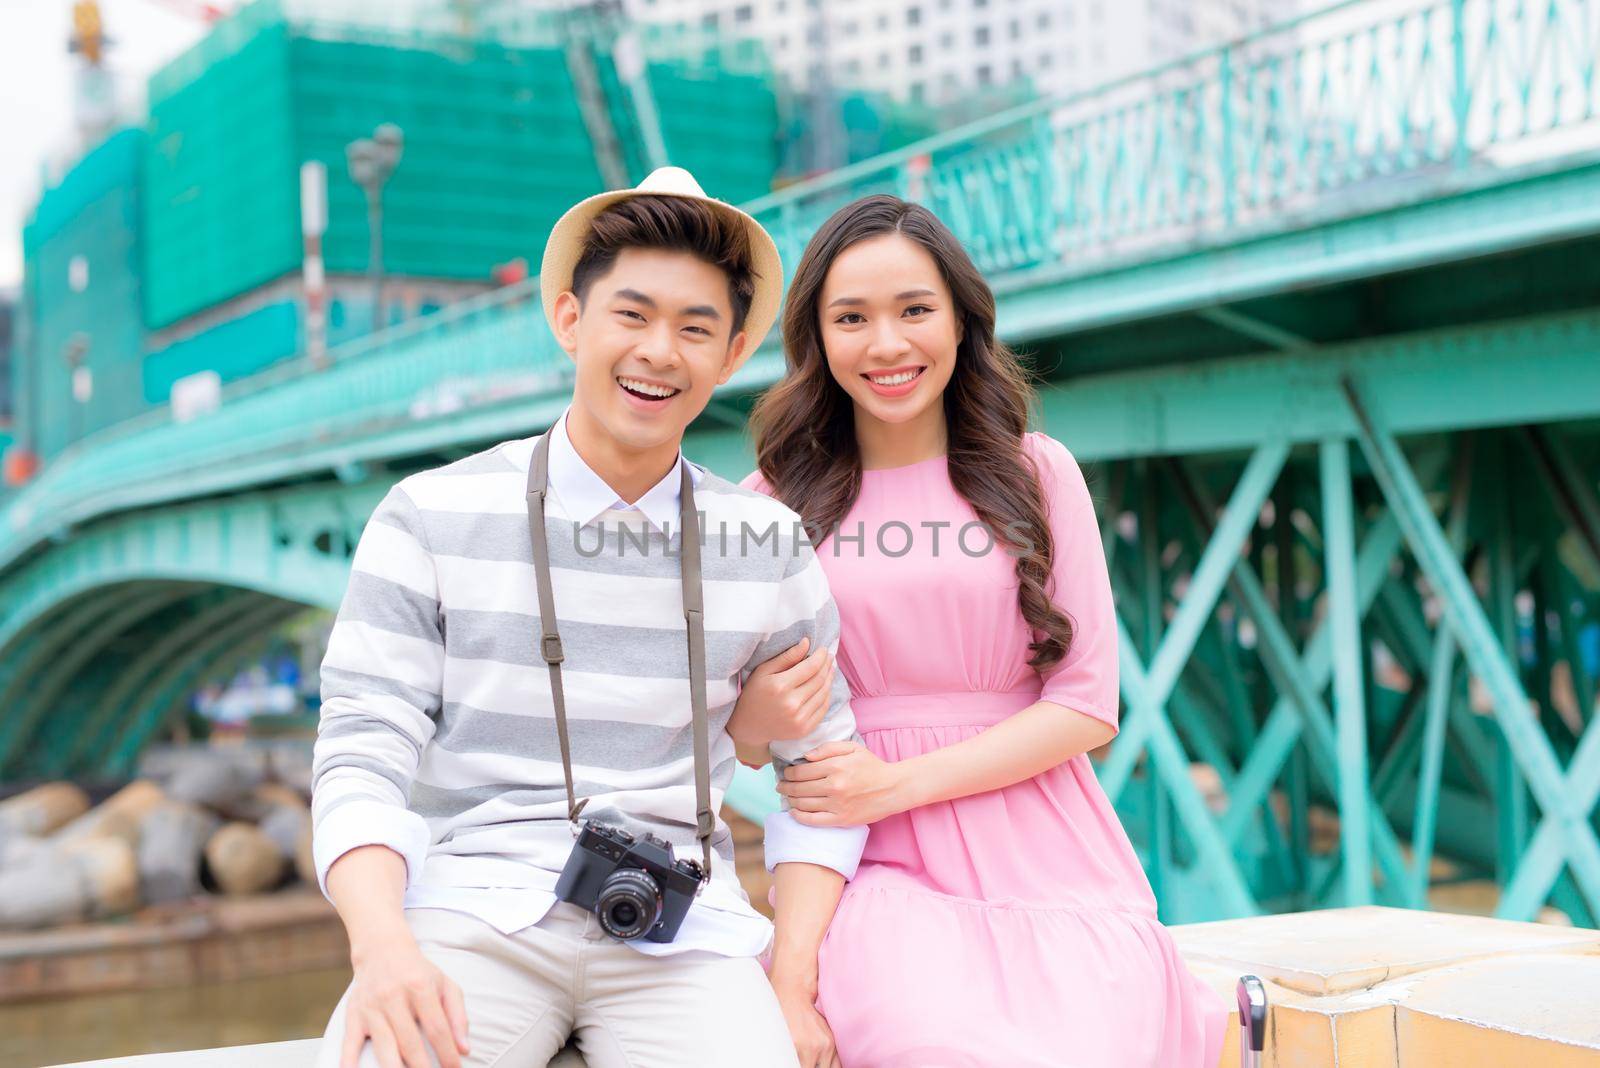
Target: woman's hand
{"x":844,"y":784}
{"x":785,"y":698}
{"x":405,"y":1005}
{"x":813,"y":1039}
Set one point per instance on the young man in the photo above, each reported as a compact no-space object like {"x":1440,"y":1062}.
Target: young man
{"x":440,"y":807}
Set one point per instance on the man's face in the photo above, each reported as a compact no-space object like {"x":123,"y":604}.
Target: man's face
{"x":652,"y":339}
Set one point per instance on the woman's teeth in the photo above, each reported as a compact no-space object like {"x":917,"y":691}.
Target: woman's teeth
{"x":896,"y":380}
{"x":633,"y":385}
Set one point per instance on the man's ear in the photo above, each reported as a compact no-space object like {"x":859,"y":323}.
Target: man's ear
{"x":568,"y":309}
{"x":731,"y":360}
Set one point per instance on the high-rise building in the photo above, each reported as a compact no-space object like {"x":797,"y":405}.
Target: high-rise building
{"x":938,"y":50}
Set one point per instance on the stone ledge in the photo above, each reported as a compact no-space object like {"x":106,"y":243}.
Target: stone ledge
{"x":1356,"y":988}
{"x":1385,"y":988}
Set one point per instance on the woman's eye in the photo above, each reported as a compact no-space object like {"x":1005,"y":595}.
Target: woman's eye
{"x":850,"y":318}
{"x":918,"y":309}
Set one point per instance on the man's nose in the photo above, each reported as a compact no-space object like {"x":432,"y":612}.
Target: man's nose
{"x":659,"y":345}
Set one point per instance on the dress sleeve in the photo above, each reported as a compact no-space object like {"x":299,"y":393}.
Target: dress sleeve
{"x":1085,"y":680}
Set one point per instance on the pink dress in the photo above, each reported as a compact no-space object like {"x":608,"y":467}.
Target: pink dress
{"x":1013,"y":927}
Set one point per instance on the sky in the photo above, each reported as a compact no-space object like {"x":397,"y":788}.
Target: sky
{"x":36,"y":91}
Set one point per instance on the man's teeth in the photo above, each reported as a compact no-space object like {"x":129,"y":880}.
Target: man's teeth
{"x":896,"y":380}
{"x":646,"y":388}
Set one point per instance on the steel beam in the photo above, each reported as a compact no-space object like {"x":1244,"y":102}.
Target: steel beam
{"x":1567,"y":804}
{"x":1350,"y":712}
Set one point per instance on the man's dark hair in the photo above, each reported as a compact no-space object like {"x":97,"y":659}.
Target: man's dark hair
{"x":677,"y":225}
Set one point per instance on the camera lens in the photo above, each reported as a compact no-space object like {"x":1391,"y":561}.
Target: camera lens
{"x":629,"y":903}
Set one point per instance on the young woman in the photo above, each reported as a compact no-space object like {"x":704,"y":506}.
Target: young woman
{"x":1000,"y":915}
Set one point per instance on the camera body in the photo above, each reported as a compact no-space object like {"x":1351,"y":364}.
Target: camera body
{"x":632,"y":883}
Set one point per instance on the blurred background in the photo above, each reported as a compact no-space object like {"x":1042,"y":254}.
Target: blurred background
{"x":1312,"y":291}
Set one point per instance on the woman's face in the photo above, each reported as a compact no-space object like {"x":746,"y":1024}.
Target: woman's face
{"x":889,"y":327}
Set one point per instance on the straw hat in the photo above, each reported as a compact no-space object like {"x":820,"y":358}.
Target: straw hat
{"x":561,"y":252}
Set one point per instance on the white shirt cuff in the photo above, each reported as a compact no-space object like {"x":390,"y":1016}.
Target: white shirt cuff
{"x":360,"y":823}
{"x":839,"y":848}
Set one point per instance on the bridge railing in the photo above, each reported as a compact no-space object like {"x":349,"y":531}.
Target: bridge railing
{"x":1350,"y":109}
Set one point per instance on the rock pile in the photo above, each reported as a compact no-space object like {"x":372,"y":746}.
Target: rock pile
{"x":209,"y":821}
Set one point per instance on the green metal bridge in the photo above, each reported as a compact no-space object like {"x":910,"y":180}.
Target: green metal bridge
{"x":1320,"y":312}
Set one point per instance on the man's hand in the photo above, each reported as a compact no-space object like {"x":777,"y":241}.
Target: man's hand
{"x":813,"y":1039}
{"x":397,"y":998}
{"x":783,"y":699}
{"x":397,"y":995}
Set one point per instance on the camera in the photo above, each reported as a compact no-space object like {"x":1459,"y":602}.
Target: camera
{"x":631,"y":882}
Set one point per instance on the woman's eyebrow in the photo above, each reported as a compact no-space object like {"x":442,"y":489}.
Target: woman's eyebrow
{"x":907,"y":295}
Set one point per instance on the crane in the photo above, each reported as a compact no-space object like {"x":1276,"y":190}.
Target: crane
{"x":94,"y":104}
{"x":88,"y":26}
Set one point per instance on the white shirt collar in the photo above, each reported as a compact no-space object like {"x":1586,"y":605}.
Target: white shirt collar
{"x":586,"y":496}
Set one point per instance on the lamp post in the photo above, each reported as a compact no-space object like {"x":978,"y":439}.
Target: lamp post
{"x":80,"y":380}
{"x":372,"y":160}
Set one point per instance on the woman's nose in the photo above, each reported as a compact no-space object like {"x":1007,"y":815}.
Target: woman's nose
{"x":888,"y":339}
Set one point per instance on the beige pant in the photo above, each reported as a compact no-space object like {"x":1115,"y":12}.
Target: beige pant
{"x":527,"y":992}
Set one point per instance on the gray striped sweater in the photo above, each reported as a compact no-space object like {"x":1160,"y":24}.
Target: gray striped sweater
{"x":437,"y":735}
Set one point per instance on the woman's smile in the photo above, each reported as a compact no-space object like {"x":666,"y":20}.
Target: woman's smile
{"x":895,"y":382}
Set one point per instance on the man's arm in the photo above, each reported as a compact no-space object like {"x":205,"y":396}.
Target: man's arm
{"x":786,"y":697}
{"x":381,"y":682}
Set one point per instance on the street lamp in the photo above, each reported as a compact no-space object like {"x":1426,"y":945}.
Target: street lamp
{"x":372,"y":160}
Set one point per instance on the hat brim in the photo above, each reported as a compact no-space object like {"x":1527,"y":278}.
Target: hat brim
{"x":565,"y":246}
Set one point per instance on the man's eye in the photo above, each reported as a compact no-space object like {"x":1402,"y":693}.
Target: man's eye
{"x":699,"y":330}
{"x":630,"y":312}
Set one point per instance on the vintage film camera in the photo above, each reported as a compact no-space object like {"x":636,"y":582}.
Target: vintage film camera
{"x":631,"y":882}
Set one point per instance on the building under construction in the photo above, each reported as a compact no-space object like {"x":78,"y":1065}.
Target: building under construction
{"x":178,"y":247}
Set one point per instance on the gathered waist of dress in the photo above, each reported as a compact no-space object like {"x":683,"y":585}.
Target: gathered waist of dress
{"x":956,"y":708}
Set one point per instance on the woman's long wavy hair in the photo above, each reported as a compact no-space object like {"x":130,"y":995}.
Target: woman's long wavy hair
{"x":805,"y":425}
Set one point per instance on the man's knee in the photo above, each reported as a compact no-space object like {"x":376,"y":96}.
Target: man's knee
{"x":720,"y":1014}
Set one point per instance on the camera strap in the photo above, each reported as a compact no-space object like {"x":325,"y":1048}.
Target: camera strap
{"x":693,"y":614}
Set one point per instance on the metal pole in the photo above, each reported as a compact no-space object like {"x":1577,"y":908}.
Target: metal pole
{"x":371,"y":161}
{"x":313,"y":224}
{"x":375,"y":255}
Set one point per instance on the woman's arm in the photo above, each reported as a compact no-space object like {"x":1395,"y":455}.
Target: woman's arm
{"x":1023,"y":745}
{"x":804,"y":899}
{"x":845,"y":784}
